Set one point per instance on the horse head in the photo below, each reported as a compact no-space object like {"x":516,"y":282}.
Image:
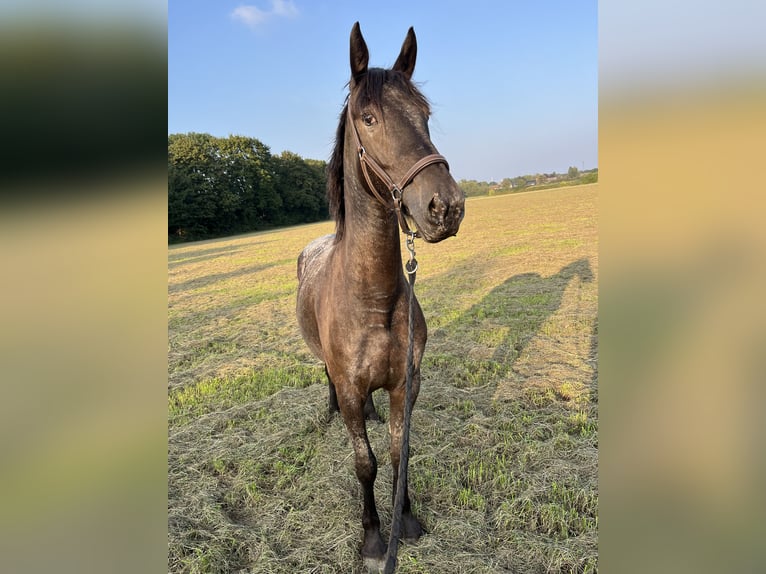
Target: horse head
{"x":388,"y":119}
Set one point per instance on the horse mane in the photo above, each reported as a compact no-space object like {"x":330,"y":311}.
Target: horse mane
{"x":366,"y":91}
{"x":335,"y":178}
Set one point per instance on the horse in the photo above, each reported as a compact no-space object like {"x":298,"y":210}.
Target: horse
{"x":353,"y":296}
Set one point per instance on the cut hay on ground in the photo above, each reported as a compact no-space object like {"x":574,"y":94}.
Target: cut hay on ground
{"x":505,"y":431}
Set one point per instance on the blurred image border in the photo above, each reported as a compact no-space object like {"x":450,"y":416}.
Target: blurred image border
{"x":83,"y":249}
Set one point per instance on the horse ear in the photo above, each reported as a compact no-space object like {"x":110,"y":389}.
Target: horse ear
{"x":405,"y":63}
{"x":360,"y":56}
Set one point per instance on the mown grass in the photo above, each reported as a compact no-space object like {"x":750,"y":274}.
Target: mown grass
{"x":222,"y":392}
{"x":505,"y":432}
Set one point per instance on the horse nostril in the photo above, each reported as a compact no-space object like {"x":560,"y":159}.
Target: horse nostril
{"x":432,"y":206}
{"x":437,"y":208}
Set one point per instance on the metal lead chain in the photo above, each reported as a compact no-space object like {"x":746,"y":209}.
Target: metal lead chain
{"x":412,"y":265}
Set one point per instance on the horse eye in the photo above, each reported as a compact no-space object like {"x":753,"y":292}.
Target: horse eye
{"x":368,"y":119}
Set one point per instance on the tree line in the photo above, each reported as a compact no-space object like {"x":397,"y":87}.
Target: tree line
{"x":224,"y":186}
{"x":574,"y":176}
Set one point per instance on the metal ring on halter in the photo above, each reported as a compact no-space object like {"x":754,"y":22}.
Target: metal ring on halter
{"x":410,"y":243}
{"x":396,"y":193}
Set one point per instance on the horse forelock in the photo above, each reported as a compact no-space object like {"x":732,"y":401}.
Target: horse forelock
{"x":367,"y":90}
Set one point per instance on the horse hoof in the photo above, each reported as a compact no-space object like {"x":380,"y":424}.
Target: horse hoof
{"x":374,"y":565}
{"x":412,"y":530}
{"x":374,"y":552}
{"x":373,"y":416}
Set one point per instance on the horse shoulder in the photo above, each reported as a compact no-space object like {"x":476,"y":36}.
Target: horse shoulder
{"x":314,"y":254}
{"x":312,"y":279}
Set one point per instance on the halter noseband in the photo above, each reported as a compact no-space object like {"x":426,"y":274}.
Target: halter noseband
{"x":396,"y":189}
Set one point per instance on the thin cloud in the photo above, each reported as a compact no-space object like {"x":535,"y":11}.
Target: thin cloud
{"x":249,"y":15}
{"x":253,"y":16}
{"x":284,"y":8}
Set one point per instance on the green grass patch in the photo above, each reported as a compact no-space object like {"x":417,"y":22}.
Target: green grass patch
{"x":512,"y":250}
{"x":224,"y":392}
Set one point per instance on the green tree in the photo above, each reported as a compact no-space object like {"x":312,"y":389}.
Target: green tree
{"x":590,"y":176}
{"x":249,"y":198}
{"x":221,"y":186}
{"x":573,"y":173}
{"x":519,"y":182}
{"x":472,"y":188}
{"x":302,"y":185}
{"x":192,"y":197}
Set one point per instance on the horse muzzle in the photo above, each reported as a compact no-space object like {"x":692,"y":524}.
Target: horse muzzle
{"x":441,"y":217}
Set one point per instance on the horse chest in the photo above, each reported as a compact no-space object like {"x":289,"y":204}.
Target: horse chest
{"x":371,"y":345}
{"x":373,"y":332}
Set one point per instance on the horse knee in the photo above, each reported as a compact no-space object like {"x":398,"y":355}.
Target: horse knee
{"x":366,"y":466}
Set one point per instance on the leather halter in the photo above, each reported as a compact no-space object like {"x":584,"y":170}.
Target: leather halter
{"x":396,"y":189}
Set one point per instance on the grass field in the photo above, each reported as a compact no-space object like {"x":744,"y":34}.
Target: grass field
{"x":504,"y":456}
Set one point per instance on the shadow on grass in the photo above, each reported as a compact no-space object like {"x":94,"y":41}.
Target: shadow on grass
{"x":179,"y":256}
{"x":485,"y":344}
{"x":216,"y":277}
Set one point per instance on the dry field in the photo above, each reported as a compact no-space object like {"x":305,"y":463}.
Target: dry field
{"x":504,"y":453}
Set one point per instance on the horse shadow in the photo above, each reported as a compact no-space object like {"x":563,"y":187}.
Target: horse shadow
{"x":530,"y":330}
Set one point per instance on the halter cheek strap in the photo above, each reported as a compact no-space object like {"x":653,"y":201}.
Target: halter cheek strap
{"x":396,"y":189}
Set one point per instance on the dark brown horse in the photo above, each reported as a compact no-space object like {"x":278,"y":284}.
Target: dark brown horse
{"x":353,"y":295}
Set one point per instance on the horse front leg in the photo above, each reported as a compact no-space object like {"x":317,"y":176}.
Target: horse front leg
{"x":411,"y":528}
{"x":352,"y":410}
{"x":370,"y":413}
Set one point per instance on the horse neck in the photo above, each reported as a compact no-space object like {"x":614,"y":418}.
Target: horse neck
{"x":371,"y":250}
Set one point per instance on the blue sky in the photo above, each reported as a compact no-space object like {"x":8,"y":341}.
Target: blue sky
{"x":513,"y":85}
